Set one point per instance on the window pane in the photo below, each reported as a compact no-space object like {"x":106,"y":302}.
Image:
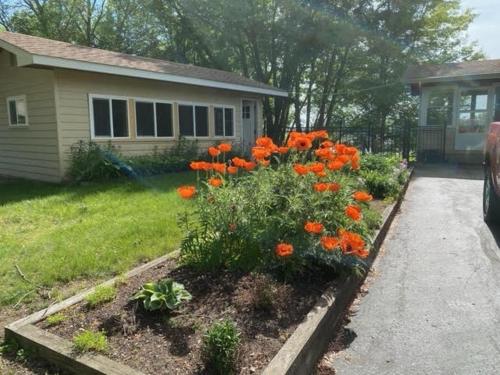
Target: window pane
{"x":219,"y":121}
{"x":497,"y":104}
{"x":164,"y":120}
{"x":229,"y":122}
{"x":21,"y":111}
{"x":102,"y":126}
{"x":201,"y":121}
{"x":440,"y":109}
{"x":145,"y":119}
{"x":13,"y":112}
{"x":120,"y":118}
{"x":186,"y":124}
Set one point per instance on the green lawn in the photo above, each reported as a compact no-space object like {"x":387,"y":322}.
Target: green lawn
{"x":56,"y":234}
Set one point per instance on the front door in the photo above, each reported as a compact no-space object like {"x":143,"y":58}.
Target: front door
{"x":248,"y":123}
{"x":473,"y":119}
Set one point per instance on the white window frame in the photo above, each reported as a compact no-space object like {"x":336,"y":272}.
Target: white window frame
{"x":194,"y":105}
{"x":223,"y":106}
{"x":15,"y":99}
{"x":489,"y":105}
{"x":154,"y":101}
{"x":109,"y":98}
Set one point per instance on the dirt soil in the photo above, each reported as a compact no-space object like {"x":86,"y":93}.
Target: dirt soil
{"x":162,"y":343}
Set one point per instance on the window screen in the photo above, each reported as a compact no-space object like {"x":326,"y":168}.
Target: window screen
{"x":120,"y":118}
{"x":201,"y":121}
{"x":164,"y":126}
{"x":440,"y":109}
{"x":228,"y":120}
{"x":102,"y":124}
{"x":145,"y":119}
{"x":13,"y":112}
{"x":186,"y":121}
{"x":219,"y":121}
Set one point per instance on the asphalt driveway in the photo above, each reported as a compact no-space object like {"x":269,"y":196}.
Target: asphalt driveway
{"x":433,"y":301}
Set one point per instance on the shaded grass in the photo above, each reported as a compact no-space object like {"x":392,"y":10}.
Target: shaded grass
{"x":56,"y":234}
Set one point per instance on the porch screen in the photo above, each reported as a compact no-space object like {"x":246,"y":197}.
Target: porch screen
{"x":473,"y":112}
{"x":440,"y":109}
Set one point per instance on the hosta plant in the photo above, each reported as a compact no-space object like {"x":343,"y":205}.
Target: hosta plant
{"x":162,"y":295}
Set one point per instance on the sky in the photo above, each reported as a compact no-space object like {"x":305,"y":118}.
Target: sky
{"x":486,"y":27}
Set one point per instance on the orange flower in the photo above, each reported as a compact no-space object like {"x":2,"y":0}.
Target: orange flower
{"x":225,"y":147}
{"x":300,"y":169}
{"x":213,"y":151}
{"x":239,"y":162}
{"x":186,"y":191}
{"x":350,"y":150}
{"x":264,"y":163}
{"x":284,"y":249}
{"x":321,"y":174}
{"x":355,"y":165}
{"x":260,"y":153}
{"x":335,"y":165}
{"x":354,"y":212}
{"x":333,"y":186}
{"x":352,"y":243}
{"x":215,"y":181}
{"x":283,"y":149}
{"x":313,"y":227}
{"x":196,"y":165}
{"x":320,"y":187}
{"x":340,"y":148}
{"x":249,"y":165}
{"x":323,"y":154}
{"x":362,"y":196}
{"x":343,"y":158}
{"x":329,"y":243}
{"x":302,"y":143}
{"x":326,"y":144}
{"x":232,"y":170}
{"x":219,"y":167}
{"x":265,"y":142}
{"x":317,"y":167}
{"x":321,"y":134}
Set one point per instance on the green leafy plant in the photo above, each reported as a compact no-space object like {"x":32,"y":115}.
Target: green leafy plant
{"x":87,"y":341}
{"x":164,"y":294}
{"x":220,"y":347}
{"x":101,"y":295}
{"x":381,"y":186}
{"x":90,"y":161}
{"x":55,"y":319}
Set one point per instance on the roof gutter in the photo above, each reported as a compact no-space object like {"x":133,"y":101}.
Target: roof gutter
{"x":474,"y":77}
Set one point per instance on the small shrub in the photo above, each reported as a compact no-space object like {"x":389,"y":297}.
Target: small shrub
{"x":381,"y":186}
{"x":164,"y":294}
{"x":101,"y":295}
{"x":220,"y":347}
{"x":55,"y":319}
{"x":373,"y":219}
{"x":90,"y":341}
{"x":264,"y":294}
{"x":90,"y":161}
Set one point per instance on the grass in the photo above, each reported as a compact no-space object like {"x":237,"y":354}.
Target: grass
{"x":88,"y":341}
{"x":101,"y":295}
{"x":58,"y":234}
{"x":54,"y":320}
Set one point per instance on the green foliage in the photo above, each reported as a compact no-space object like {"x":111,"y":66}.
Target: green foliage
{"x":381,"y":185}
{"x":220,"y":347}
{"x":383,"y":175}
{"x":90,"y":341}
{"x":162,"y":295}
{"x":55,"y":319}
{"x":89,"y":162}
{"x":372,"y":218}
{"x":101,"y":295}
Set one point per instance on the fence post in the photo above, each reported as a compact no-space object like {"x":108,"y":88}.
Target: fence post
{"x":406,"y":140}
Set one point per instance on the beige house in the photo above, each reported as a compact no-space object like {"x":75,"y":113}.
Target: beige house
{"x":54,"y":94}
{"x":457,"y":103}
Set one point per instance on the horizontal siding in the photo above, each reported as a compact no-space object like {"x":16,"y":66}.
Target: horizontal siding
{"x":30,"y":152}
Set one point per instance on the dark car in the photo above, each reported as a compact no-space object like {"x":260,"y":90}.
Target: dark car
{"x":491,"y":190}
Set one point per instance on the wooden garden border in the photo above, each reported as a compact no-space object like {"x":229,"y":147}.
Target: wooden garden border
{"x":297,"y":356}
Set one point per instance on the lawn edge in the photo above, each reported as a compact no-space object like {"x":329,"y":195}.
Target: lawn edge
{"x":301,"y":352}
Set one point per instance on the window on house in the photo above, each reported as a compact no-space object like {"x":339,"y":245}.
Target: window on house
{"x":110,"y":117}
{"x":193,"y":120}
{"x":246,"y":112}
{"x":496,"y":116}
{"x":153,"y":119}
{"x":18,"y":111}
{"x":224,"y":121}
{"x":473,"y":111}
{"x":440,"y":109}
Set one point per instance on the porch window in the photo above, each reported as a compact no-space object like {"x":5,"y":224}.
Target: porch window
{"x":440,"y":109}
{"x":154,"y":119}
{"x":224,"y":121}
{"x":18,"y":112}
{"x":193,"y":120}
{"x":496,"y":116}
{"x":473,"y":112}
{"x":109,"y":117}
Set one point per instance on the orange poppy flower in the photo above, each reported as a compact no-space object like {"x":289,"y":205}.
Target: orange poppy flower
{"x":239,"y":162}
{"x":354,"y":212}
{"x":340,"y":148}
{"x":355,"y":162}
{"x":313,"y":227}
{"x":300,"y":169}
{"x":321,"y":174}
{"x":284,"y":249}
{"x":215,"y":181}
{"x":320,"y":187}
{"x":323,"y":154}
{"x":329,"y":243}
{"x":196,"y":165}
{"x":283,"y":149}
{"x":350,"y":150}
{"x":343,"y":158}
{"x":264,"y":163}
{"x":362,"y":196}
{"x":302,"y":143}
{"x":219,"y":167}
{"x":213,"y":151}
{"x":260,"y":153}
{"x":335,"y":165}
{"x":186,"y":191}
{"x":334,"y":186}
{"x":321,"y":134}
{"x":249,"y":165}
{"x":352,"y":243}
{"x":317,"y":167}
{"x":232,"y":170}
{"x":225,"y":147}
{"x":326,"y":144}
{"x":265,"y":142}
